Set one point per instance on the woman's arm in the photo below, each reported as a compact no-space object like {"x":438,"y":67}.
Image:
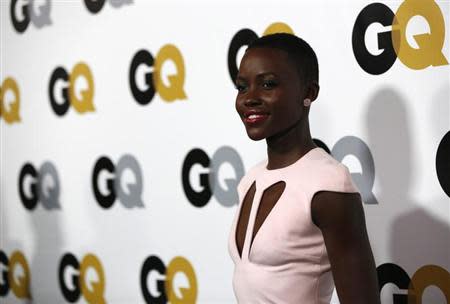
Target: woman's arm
{"x":340,"y":216}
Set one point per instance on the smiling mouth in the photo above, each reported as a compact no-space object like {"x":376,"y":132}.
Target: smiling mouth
{"x":255,"y":118}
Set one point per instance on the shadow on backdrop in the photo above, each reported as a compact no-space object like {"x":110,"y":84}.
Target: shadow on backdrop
{"x":8,"y":244}
{"x":47,"y":253}
{"x":414,"y":236}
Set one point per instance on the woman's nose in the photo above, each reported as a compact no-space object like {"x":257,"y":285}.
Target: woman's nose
{"x":251,"y":102}
{"x":252,"y":98}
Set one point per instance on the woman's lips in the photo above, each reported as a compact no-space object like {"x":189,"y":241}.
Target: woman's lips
{"x":255,"y":118}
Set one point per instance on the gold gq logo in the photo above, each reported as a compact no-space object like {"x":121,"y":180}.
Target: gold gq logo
{"x":79,"y":284}
{"x":146,"y":77}
{"x":19,"y":284}
{"x":414,"y":287}
{"x":163,"y":289}
{"x":394,"y":43}
{"x":64,"y":89}
{"x":10,"y":113}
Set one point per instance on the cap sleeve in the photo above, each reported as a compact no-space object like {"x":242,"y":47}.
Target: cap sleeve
{"x":335,"y":178}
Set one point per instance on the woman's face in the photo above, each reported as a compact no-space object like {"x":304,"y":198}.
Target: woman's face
{"x":270,"y":94}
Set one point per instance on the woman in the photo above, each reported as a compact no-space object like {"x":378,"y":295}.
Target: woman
{"x":300,"y":221}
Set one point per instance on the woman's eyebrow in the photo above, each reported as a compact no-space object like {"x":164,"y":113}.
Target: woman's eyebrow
{"x":261,"y":75}
{"x":258,"y":76}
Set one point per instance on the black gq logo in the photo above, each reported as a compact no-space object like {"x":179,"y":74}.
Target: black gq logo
{"x":131,"y":196}
{"x":95,"y":6}
{"x":443,"y":163}
{"x":42,"y":185}
{"x":26,"y":12}
{"x":65,"y":84}
{"x":20,"y":285}
{"x":425,"y":276}
{"x":393,"y":43}
{"x":163,"y":289}
{"x":79,"y":284}
{"x":209,"y":178}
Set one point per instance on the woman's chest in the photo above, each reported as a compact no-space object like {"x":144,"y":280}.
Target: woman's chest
{"x":273,"y":225}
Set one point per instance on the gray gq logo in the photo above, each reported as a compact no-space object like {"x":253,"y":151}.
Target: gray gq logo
{"x":209,"y":178}
{"x":131,"y":195}
{"x":352,"y":145}
{"x":24,"y":12}
{"x":42,"y":185}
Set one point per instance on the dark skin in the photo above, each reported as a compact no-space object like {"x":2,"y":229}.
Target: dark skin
{"x":270,"y":102}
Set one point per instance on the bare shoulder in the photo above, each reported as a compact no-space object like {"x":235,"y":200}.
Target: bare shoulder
{"x":337,"y":209}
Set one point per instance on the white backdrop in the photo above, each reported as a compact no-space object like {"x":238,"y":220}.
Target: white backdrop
{"x":401,"y":115}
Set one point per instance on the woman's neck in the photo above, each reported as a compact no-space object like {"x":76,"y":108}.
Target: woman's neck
{"x":286,"y":147}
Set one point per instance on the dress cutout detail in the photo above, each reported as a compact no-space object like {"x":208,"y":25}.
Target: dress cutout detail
{"x":286,"y":260}
{"x":243,"y":218}
{"x":270,"y":197}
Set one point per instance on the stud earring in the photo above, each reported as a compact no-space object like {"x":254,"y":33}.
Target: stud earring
{"x":307,"y":102}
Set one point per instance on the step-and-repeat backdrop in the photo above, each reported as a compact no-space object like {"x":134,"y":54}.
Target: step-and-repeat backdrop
{"x":121,"y":149}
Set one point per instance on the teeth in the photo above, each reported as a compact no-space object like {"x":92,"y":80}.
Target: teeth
{"x":253,"y":116}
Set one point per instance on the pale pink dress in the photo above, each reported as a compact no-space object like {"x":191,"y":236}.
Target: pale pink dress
{"x":287,"y":261}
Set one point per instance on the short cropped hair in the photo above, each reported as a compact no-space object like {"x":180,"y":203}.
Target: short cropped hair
{"x":298,"y":50}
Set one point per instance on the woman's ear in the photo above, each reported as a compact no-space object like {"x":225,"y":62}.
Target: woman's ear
{"x":313,"y":90}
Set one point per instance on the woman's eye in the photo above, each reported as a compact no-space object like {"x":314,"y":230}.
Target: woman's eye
{"x":240,"y":87}
{"x":269,"y":84}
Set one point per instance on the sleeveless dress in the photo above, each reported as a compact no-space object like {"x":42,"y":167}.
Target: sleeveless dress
{"x":287,"y":260}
